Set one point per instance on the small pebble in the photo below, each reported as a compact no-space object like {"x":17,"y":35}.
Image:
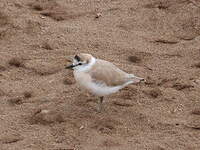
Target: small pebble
{"x":98,"y":15}
{"x":82,"y":127}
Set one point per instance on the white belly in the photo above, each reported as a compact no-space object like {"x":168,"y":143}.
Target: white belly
{"x":99,"y":89}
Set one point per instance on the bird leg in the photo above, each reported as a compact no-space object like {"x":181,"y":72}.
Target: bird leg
{"x":100,"y":104}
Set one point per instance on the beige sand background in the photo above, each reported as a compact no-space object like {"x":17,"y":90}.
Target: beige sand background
{"x":41,"y":108}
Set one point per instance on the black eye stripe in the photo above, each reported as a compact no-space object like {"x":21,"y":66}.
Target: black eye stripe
{"x":77,"y":58}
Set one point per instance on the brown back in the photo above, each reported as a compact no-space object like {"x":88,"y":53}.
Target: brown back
{"x":105,"y":72}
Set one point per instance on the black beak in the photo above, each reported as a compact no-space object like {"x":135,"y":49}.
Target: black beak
{"x":70,"y":66}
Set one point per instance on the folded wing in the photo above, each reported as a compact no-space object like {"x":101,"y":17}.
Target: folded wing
{"x":104,"y":72}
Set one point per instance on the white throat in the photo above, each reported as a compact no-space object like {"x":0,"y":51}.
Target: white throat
{"x":86,"y":67}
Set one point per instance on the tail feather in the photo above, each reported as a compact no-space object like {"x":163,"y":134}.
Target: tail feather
{"x":135,"y":79}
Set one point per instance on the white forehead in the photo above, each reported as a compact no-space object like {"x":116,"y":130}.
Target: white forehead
{"x":74,"y":60}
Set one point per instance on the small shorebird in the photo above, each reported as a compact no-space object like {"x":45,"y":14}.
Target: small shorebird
{"x":100,"y":77}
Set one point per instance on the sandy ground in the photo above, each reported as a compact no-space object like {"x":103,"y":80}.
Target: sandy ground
{"x":41,"y":107}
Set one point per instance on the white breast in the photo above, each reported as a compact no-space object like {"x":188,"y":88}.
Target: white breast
{"x":99,"y":89}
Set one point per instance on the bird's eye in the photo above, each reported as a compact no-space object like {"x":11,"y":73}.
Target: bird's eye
{"x":80,"y":63}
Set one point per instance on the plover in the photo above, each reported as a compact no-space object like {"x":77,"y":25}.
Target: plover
{"x":100,"y":77}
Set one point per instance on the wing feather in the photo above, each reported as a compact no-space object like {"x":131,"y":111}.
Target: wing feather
{"x":104,"y":72}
